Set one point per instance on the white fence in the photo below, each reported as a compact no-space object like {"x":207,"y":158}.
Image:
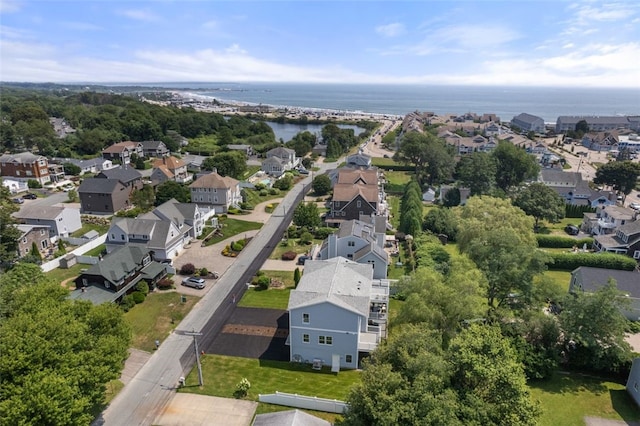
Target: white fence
{"x":307,"y":402}
{"x":55,"y":263}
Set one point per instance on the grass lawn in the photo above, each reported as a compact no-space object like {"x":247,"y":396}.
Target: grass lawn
{"x":396,"y":181}
{"x":394,"y":207}
{"x":558,"y":228}
{"x":59,"y":275}
{"x":561,"y":278}
{"x":272,"y":298}
{"x":156,"y":317}
{"x":222,"y":373}
{"x":204,"y":145}
{"x":292,"y":245}
{"x":86,"y":227}
{"x":381,"y":162}
{"x":231,"y":227}
{"x":96,"y":251}
{"x":254,"y":198}
{"x":567,"y":398}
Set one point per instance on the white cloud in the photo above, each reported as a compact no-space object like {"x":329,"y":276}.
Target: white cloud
{"x":209,"y":25}
{"x":391,"y":30}
{"x":9,"y":6}
{"x":139,"y":15}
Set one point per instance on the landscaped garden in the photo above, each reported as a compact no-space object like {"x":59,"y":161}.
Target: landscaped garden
{"x":230,"y":228}
{"x":271,"y":298}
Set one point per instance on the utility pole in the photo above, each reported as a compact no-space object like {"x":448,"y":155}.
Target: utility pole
{"x":195,"y":347}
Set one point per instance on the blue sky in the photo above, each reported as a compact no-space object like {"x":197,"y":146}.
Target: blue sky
{"x":524,"y":43}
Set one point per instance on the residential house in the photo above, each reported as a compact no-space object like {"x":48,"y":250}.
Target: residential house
{"x":25,"y":166}
{"x":15,"y":186}
{"x":117,"y":274}
{"x":121,"y":152}
{"x":489,"y":118}
{"x":356,"y":193}
{"x":279,"y":160}
{"x":247,"y":149}
{"x":595,"y":123}
{"x":528,"y":123}
{"x":569,"y":185}
{"x":30,"y":234}
{"x":191,"y":214}
{"x":625,"y":240}
{"x":601,"y":141}
{"x":61,"y":127}
{"x":128,"y":176}
{"x":60,"y":221}
{"x":493,"y":129}
{"x":337,"y":313}
{"x":470,"y":144}
{"x":103,"y":196}
{"x":629,"y":142}
{"x":164,"y":239}
{"x":170,"y":168}
{"x":465,"y":193}
{"x":361,"y":241}
{"x":602,"y":198}
{"x":589,"y":280}
{"x":608,"y":218}
{"x":56,"y":172}
{"x":221,"y":192}
{"x":154,"y":149}
{"x":288,"y":418}
{"x":359,"y":160}
{"x":92,"y":165}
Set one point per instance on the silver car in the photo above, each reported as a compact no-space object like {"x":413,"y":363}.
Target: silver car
{"x":193,"y":282}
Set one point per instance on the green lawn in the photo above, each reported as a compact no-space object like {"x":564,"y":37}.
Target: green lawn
{"x":558,"y":228}
{"x":292,"y":245}
{"x":272,"y":298}
{"x":562,"y":278}
{"x":203,"y":145}
{"x":567,"y":398}
{"x":59,"y":275}
{"x":156,"y":317}
{"x":96,"y":251}
{"x":250,"y":171}
{"x":86,"y":227}
{"x":231,"y":227}
{"x":396,"y":181}
{"x":254,"y":198}
{"x":381,"y":162}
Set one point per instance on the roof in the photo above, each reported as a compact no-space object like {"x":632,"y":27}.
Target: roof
{"x":527,"y":118}
{"x":152,"y":144}
{"x":289,"y":418}
{"x":617,"y":212}
{"x":280,"y":152}
{"x":347,"y":192}
{"x":593,"y":279}
{"x":98,"y":186}
{"x":119,"y":263}
{"x":351,"y":176}
{"x":25,"y":229}
{"x":158,"y":231}
{"x":119,"y":147}
{"x":39,"y":212}
{"x":568,"y":119}
{"x":339,"y":281}
{"x":21,"y":157}
{"x":558,"y":175}
{"x":171,"y":162}
{"x":124,"y":175}
{"x":214,"y":180}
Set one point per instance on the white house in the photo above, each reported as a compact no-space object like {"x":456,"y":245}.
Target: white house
{"x":360,"y":241}
{"x":221,"y":192}
{"x":279,"y":160}
{"x":15,"y":186}
{"x":337,"y":313}
{"x":528,"y":123}
{"x":62,"y":221}
{"x":191,"y":214}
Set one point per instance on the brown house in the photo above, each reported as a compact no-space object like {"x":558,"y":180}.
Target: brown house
{"x":103,"y":196}
{"x":25,"y":166}
{"x":34,"y":234}
{"x":349,"y":202}
{"x":122,"y":151}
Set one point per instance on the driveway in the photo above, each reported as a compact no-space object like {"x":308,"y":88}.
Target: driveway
{"x":187,"y":409}
{"x":254,"y":333}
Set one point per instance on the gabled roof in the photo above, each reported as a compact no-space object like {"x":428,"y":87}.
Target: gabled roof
{"x":167,"y":210}
{"x":548,"y":176}
{"x":526,"y":118}
{"x":352,"y":176}
{"x":123,"y":174}
{"x":274,"y":160}
{"x":630,"y":228}
{"x":289,"y":418}
{"x":280,"y":152}
{"x":338,"y":281}
{"x":347,"y":192}
{"x":170,"y":162}
{"x":158,"y":231}
{"x":593,"y":279}
{"x":98,"y":186}
{"x":214,"y":180}
{"x":25,"y":229}
{"x":119,"y":147}
{"x":20,"y":158}
{"x":119,"y":263}
{"x":152,"y":144}
{"x":39,"y":212}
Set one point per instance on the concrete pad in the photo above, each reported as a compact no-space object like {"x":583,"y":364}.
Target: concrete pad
{"x":597,"y":421}
{"x":133,"y":364}
{"x":187,"y":409}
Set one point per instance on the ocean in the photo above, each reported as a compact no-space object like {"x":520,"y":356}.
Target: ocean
{"x":506,"y":102}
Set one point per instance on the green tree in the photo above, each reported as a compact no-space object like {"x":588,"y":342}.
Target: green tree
{"x":143,"y":198}
{"x":477,"y":172}
{"x":452,"y":197}
{"x":594,"y":329}
{"x":35,"y":252}
{"x":514,"y":165}
{"x":296,"y":277}
{"x":171,"y":189}
{"x":621,"y":175}
{"x":232,"y":163}
{"x":321,"y":185}
{"x":441,"y":221}
{"x":72,"y":169}
{"x":9,"y":234}
{"x":284,"y":183}
{"x":413,"y":150}
{"x":541,"y":202}
{"x":72,"y":195}
{"x":432,"y":157}
{"x":306,"y":214}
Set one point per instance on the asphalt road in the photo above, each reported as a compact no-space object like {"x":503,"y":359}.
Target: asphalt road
{"x":142,"y":400}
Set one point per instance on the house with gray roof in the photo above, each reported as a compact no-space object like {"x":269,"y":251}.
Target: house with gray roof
{"x":589,"y":280}
{"x":569,"y":185}
{"x":289,"y":418}
{"x":103,"y":196}
{"x":279,"y":160}
{"x":24,"y":166}
{"x":191,"y":214}
{"x":625,"y":240}
{"x":528,"y":123}
{"x":220,"y":192}
{"x":610,"y":218}
{"x":337,"y":313}
{"x":154,"y":149}
{"x":128,"y":176}
{"x":117,"y":274}
{"x":91,"y":165}
{"x":595,"y":123}
{"x":359,"y":159}
{"x":61,"y":221}
{"x":361,"y":241}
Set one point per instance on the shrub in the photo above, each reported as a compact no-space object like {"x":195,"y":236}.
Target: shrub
{"x":204,"y":272}
{"x":259,"y":186}
{"x":293,"y":232}
{"x":233,"y":210}
{"x":165,"y":284}
{"x":323,"y":233}
{"x":263,"y":193}
{"x":274,"y":191}
{"x":143,"y":287}
{"x":289,"y":255}
{"x":138,"y":297}
{"x":306,"y":238}
{"x":33,"y":183}
{"x":242,"y":388}
{"x":127,"y":302}
{"x":259,"y":273}
{"x":237,"y":246}
{"x":263,"y":282}
{"x":571,"y":261}
{"x":187,"y":269}
{"x":556,"y":241}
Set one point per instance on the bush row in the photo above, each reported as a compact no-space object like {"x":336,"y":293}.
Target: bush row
{"x":556,"y":241}
{"x":574,"y":211}
{"x":571,"y":261}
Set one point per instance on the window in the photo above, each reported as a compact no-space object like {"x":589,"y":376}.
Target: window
{"x":636,"y":254}
{"x":24,"y":240}
{"x":122,"y":237}
{"x":44,"y":244}
{"x":350,"y":256}
{"x":106,"y":284}
{"x":305,"y":318}
{"x":305,"y":338}
{"x":359,"y":203}
{"x":325,"y":340}
{"x":351,"y":243}
{"x":348,"y":359}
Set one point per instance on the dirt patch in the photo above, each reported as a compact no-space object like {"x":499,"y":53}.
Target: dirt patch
{"x":255,"y":330}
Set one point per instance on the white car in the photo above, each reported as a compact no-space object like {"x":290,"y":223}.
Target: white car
{"x":635,"y":206}
{"x":193,"y":282}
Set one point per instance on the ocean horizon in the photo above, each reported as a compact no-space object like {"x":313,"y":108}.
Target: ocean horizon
{"x":401,"y":99}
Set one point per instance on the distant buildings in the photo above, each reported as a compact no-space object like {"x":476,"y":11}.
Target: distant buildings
{"x":595,"y":123}
{"x":528,"y":123}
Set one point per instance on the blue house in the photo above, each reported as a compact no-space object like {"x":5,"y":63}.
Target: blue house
{"x":337,"y":313}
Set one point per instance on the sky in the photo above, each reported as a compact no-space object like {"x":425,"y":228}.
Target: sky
{"x":502,"y":43}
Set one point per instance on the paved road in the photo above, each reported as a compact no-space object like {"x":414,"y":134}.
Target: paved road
{"x":143,"y":399}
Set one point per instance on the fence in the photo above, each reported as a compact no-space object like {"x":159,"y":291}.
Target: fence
{"x":76,"y":241}
{"x":55,"y":263}
{"x":307,"y":402}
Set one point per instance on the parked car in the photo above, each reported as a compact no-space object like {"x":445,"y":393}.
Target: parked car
{"x":635,"y":206}
{"x":572,"y":230}
{"x":302,"y":259}
{"x":29,"y":196}
{"x":68,"y":187}
{"x":193,"y":282}
{"x":215,"y":275}
{"x":17,"y":200}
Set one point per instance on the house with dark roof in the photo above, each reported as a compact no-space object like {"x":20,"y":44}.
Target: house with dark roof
{"x":128,"y":176}
{"x":103,"y":196}
{"x":361,"y":241}
{"x":30,"y":234}
{"x":61,"y":221}
{"x":610,"y":218}
{"x":528,"y":123}
{"x":221,"y":192}
{"x":356,"y":193}
{"x":191,"y":214}
{"x":625,"y":240}
{"x":170,"y":168}
{"x":117,"y":274}
{"x":289,"y":418}
{"x":601,"y":141}
{"x":91,"y":165}
{"x":569,"y":185}
{"x":359,"y":160}
{"x":154,"y":149}
{"x":25,"y":166}
{"x":121,"y":152}
{"x":589,"y":280}
{"x":337,"y":313}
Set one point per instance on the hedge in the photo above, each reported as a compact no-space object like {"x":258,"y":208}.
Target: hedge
{"x":571,"y":261}
{"x":556,"y":241}
{"x":575,"y":211}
